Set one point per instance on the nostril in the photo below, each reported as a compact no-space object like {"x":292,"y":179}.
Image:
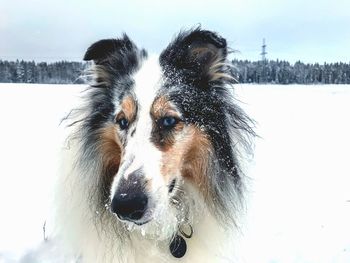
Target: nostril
{"x":129,"y":207}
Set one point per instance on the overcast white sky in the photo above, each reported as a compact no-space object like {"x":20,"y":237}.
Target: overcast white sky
{"x":312,"y":31}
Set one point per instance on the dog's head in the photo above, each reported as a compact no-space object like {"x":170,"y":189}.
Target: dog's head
{"x":162,"y":132}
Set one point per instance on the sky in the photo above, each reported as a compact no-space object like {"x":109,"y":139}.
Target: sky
{"x":310,"y":31}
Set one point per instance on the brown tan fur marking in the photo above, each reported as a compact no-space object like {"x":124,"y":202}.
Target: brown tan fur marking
{"x":196,"y":160}
{"x":111,"y":152}
{"x":128,"y":108}
{"x":190,"y":155}
{"x":215,"y":60}
{"x":161,"y":107}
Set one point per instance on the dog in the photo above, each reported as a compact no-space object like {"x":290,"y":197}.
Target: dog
{"x":154,"y":167}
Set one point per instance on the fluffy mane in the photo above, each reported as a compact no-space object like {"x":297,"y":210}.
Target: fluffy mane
{"x":207,"y":195}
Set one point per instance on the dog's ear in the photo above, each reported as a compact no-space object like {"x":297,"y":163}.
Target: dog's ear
{"x":199,"y":54}
{"x":205,"y":48}
{"x":101,"y":49}
{"x":105,"y":48}
{"x":113,"y":58}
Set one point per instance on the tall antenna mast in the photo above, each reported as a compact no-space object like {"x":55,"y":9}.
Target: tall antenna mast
{"x":263,"y":51}
{"x":263,"y":76}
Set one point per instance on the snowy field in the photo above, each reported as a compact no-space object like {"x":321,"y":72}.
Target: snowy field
{"x":300,"y":192}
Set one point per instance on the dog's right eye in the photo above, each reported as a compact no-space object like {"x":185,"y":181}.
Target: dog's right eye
{"x":123,"y":123}
{"x":167,"y":122}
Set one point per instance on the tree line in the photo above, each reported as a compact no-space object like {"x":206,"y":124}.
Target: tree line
{"x":62,"y":72}
{"x":245,"y":71}
{"x":283,"y":72}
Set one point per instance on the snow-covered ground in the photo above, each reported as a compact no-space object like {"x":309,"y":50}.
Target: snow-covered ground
{"x":300,"y":193}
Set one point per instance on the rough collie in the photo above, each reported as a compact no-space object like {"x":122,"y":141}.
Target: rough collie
{"x":153,"y":171}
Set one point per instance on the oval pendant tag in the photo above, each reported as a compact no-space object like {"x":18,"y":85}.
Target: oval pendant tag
{"x":178,"y":246}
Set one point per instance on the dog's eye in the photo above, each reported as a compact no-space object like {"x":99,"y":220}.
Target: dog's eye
{"x":123,"y":123}
{"x":168,"y":122}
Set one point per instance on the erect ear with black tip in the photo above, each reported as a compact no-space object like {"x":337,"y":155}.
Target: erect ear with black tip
{"x":199,"y":54}
{"x":113,"y":58}
{"x":206,"y":47}
{"x":102,"y":49}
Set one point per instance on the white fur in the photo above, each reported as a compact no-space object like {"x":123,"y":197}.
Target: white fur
{"x":145,"y":154}
{"x":140,"y":152}
{"x":81,"y":238}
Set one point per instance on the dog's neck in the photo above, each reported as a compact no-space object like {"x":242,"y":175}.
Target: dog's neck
{"x":210,"y":242}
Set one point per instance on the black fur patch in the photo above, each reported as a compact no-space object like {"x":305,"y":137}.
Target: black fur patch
{"x":192,"y":54}
{"x":209,"y":105}
{"x":119,"y":56}
{"x":207,"y":102}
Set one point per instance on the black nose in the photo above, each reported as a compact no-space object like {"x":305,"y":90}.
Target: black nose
{"x":129,"y":207}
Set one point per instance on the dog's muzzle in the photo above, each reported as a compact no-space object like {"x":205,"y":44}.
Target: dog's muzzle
{"x":130,"y":199}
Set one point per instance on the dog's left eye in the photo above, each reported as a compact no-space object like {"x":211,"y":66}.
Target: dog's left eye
{"x":168,"y":122}
{"x":123,"y":123}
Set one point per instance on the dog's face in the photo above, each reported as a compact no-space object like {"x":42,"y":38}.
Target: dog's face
{"x":159,"y":124}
